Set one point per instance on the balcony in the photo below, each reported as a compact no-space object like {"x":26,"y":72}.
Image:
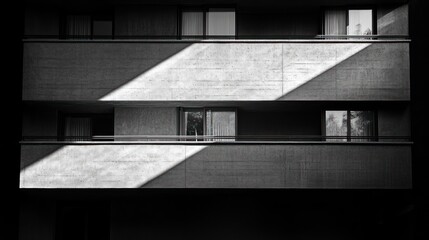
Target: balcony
{"x":216,"y":70}
{"x":169,"y":163}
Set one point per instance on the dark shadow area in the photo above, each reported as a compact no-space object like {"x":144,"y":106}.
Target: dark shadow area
{"x":34,"y":153}
{"x":354,"y":79}
{"x":265,"y":214}
{"x":214,"y":214}
{"x":309,"y":166}
{"x":87,"y":220}
{"x":102,"y":68}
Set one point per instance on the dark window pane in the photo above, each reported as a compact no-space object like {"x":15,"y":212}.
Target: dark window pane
{"x":193,"y":122}
{"x":362,"y":125}
{"x":336,"y":125}
{"x":102,"y":29}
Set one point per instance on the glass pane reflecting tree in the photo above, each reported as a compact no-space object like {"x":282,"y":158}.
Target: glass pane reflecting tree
{"x":336,"y":125}
{"x":193,"y":120}
{"x":362,"y":125}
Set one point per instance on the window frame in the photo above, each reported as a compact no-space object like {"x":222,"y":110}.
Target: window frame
{"x":373,"y":138}
{"x":204,"y":9}
{"x":182,"y":110}
{"x":102,"y":14}
{"x":62,"y":115}
{"x":347,"y":8}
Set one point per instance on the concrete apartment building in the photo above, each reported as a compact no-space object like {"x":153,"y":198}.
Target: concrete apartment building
{"x":214,"y":119}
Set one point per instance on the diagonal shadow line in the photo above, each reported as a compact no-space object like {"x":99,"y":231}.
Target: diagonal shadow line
{"x":153,"y":66}
{"x":172,"y":168}
{"x":314,"y":78}
{"x":27,"y":160}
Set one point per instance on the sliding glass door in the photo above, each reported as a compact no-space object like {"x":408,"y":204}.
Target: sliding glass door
{"x":208,"y":124}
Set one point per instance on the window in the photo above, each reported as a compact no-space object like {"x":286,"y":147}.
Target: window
{"x":78,"y":26}
{"x":192,"y":24}
{"x":88,"y":26}
{"x":359,"y":22}
{"x":84,"y":126}
{"x":216,"y":123}
{"x":193,"y":123}
{"x":220,"y":123}
{"x":346,"y":125}
{"x":102,"y":27}
{"x":78,"y":128}
{"x":211,"y":22}
{"x":348,"y":22}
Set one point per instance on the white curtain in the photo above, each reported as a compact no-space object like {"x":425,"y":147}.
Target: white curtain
{"x":335,"y":22}
{"x":220,"y":123}
{"x":78,"y":128}
{"x":192,"y":24}
{"x":220,"y":22}
{"x":78,"y":26}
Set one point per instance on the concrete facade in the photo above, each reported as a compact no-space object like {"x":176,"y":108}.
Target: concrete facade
{"x":80,"y":71}
{"x":317,"y":165}
{"x":146,"y":121}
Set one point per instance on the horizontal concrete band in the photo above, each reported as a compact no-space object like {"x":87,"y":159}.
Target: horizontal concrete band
{"x":230,"y":71}
{"x":216,"y":166}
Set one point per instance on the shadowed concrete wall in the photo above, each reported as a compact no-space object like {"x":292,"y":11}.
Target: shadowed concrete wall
{"x":215,"y":71}
{"x":42,"y":20}
{"x":38,"y":121}
{"x":394,"y":121}
{"x":320,"y":165}
{"x":146,"y":121}
{"x":392,"y":20}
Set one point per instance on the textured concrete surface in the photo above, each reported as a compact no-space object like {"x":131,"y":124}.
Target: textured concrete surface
{"x":392,"y":20}
{"x":215,"y":71}
{"x":146,"y":121}
{"x":219,"y":166}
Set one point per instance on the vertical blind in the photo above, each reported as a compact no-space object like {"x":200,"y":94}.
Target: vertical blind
{"x":220,"y":22}
{"x":335,"y":22}
{"x":78,"y":128}
{"x":78,"y":26}
{"x":220,"y":123}
{"x":192,"y":24}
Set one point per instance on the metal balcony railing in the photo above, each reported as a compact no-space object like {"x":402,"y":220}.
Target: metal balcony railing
{"x":208,"y":138}
{"x":219,"y":37}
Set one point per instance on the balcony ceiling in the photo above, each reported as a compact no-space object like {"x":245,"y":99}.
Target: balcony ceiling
{"x":200,"y":2}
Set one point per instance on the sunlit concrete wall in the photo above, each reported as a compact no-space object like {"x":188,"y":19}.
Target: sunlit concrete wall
{"x":320,"y":165}
{"x":215,"y":71}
